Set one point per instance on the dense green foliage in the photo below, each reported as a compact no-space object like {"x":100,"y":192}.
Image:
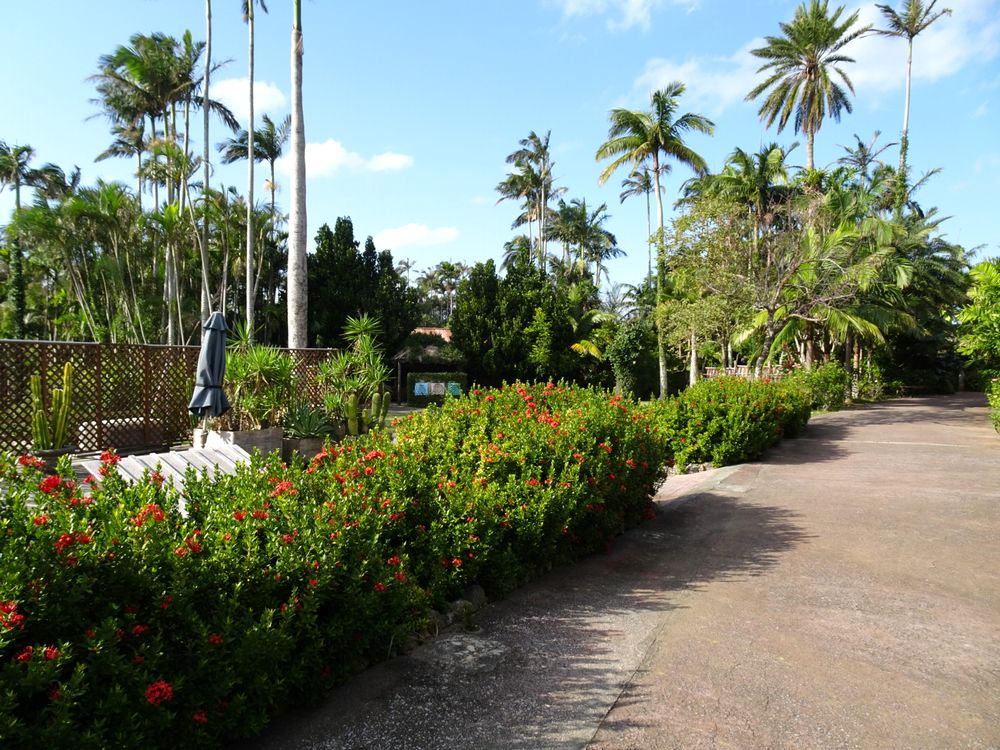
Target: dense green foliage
{"x":125,"y":622}
{"x":351,"y":282}
{"x":728,"y":420}
{"x":826,"y":387}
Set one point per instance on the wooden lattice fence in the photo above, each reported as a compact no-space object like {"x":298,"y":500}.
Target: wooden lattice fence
{"x":128,"y":396}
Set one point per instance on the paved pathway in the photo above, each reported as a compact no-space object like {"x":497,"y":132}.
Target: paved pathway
{"x":843,"y":593}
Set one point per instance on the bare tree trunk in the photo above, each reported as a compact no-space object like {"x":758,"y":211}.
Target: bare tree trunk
{"x":250,"y":164}
{"x":297,"y":282}
{"x":206,"y":297}
{"x":693,"y":367}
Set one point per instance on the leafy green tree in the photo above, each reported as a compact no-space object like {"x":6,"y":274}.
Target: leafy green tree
{"x":16,"y":172}
{"x":635,"y":138}
{"x":980,"y":332}
{"x":353,"y":282}
{"x":801,"y":66}
{"x":913,"y":18}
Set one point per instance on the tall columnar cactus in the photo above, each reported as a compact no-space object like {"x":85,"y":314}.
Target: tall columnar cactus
{"x":371,"y":416}
{"x":49,"y":427}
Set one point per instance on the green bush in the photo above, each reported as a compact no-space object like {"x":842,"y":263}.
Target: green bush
{"x":993,"y":396}
{"x":728,"y":420}
{"x":827,"y":385}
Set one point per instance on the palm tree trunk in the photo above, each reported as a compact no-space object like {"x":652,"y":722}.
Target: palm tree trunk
{"x":297,"y":290}
{"x":649,"y":242}
{"x":693,"y":367}
{"x":810,"y":142}
{"x":206,"y":301}
{"x":250,"y":163}
{"x":904,"y":139}
{"x":661,"y":280}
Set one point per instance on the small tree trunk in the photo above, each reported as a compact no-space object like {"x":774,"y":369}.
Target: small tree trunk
{"x":693,"y":367}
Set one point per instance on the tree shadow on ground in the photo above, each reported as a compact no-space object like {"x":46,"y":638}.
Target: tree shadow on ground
{"x":548,"y":662}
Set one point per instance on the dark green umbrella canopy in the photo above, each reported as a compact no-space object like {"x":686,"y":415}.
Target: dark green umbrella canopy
{"x":208,"y":399}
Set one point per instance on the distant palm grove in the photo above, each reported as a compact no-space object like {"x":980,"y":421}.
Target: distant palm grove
{"x":763,"y":263}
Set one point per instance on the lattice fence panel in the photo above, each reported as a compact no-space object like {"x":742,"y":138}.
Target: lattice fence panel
{"x":128,"y":396}
{"x":307,"y":362}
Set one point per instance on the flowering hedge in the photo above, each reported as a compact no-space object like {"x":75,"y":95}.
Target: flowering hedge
{"x":124,"y":623}
{"x":728,"y":420}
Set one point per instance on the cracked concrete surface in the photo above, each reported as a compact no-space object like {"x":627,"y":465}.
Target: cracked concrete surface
{"x":842,"y":593}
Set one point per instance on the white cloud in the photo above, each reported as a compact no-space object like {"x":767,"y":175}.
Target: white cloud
{"x":980,"y":111}
{"x":235,"y":94}
{"x":389,"y":162}
{"x":713,"y":83}
{"x":323,"y":159}
{"x":624,"y":13}
{"x":414,"y":235}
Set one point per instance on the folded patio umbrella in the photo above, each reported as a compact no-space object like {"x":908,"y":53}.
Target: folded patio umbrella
{"x":208,"y":399}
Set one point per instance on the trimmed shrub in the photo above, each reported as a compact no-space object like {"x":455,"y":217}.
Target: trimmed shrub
{"x":827,"y":386}
{"x":727,"y":420}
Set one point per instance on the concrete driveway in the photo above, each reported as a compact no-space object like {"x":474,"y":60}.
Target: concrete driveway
{"x":842,"y":593}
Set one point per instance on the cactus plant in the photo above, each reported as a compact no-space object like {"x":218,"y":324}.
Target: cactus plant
{"x":49,"y":427}
{"x":368,"y":417}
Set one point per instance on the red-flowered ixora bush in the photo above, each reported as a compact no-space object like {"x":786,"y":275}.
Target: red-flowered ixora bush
{"x":125,"y":624}
{"x":728,"y":420}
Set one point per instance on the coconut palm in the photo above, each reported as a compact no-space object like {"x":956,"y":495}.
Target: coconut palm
{"x":914,"y":17}
{"x":297,"y":292}
{"x":635,"y":138}
{"x":800,"y":68}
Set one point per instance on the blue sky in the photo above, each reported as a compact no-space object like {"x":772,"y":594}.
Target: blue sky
{"x":412,"y":107}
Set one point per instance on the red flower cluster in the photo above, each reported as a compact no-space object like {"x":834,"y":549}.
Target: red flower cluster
{"x":108,"y":460}
{"x":68,"y":540}
{"x":9,"y":616}
{"x":159,"y":692}
{"x":199,"y":717}
{"x":215,"y":639}
{"x":25,"y":655}
{"x":284,"y":488}
{"x":50,"y":484}
{"x":51,"y":653}
{"x":31,"y":461}
{"x":152,"y":510}
{"x":40,"y":520}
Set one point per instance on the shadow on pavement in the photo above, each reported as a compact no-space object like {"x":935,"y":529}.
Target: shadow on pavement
{"x":547,"y":662}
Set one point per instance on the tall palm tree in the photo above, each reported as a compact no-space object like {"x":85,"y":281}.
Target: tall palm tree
{"x":639,"y":182}
{"x":269,"y":143}
{"x":535,"y":160}
{"x":914,"y":17}
{"x":635,"y":138}
{"x":799,"y":67}
{"x":297,"y":292}
{"x":248,"y":19}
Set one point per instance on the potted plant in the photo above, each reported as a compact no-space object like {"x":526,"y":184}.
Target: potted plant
{"x":305,"y":429}
{"x":260,"y":384}
{"x":50,"y":426}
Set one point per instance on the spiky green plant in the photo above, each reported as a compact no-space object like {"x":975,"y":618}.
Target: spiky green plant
{"x":49,"y":426}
